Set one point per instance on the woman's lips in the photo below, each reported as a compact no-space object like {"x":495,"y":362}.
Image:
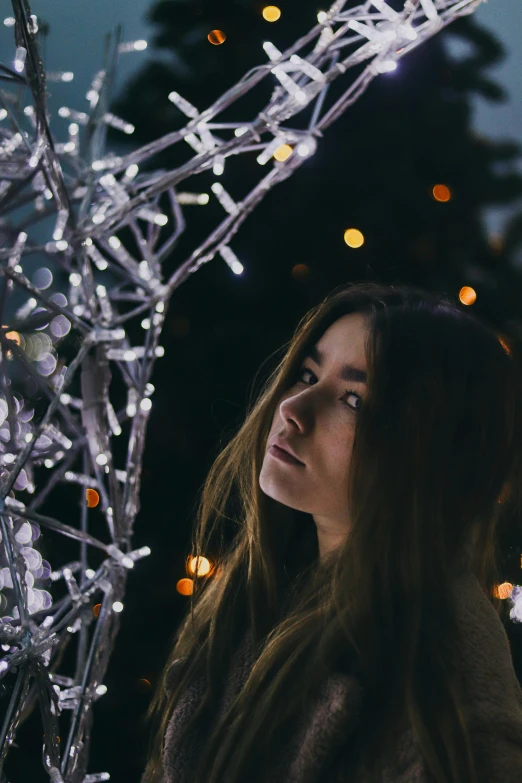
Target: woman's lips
{"x":283,"y":455}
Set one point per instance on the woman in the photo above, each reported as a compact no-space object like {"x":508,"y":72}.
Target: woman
{"x":351,"y":630}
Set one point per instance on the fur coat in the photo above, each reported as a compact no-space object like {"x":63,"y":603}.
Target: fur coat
{"x":323,"y":733}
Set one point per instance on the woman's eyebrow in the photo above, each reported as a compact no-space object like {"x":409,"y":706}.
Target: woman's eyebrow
{"x":347,"y":373}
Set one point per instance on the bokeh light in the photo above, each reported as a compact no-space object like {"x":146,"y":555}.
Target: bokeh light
{"x":216,"y":37}
{"x":13,"y":336}
{"x":185,"y":586}
{"x":441,"y":193}
{"x":92,"y":498}
{"x":300,"y":271}
{"x":467,"y":295}
{"x":283,"y":152}
{"x":504,"y":590}
{"x":202,"y":569}
{"x":353,"y":237}
{"x":271,"y":13}
{"x":96,"y":609}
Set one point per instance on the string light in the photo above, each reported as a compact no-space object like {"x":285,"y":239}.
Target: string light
{"x":283,"y":152}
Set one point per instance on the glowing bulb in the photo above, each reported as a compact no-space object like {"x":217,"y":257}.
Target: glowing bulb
{"x":146,"y":404}
{"x":117,"y":606}
{"x":322,"y":16}
{"x":131,"y":171}
{"x":101,"y":459}
{"x":283,"y":152}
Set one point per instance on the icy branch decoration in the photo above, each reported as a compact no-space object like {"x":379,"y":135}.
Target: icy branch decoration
{"x":106,"y":228}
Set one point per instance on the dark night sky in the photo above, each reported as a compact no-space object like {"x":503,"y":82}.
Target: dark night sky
{"x":96,"y":18}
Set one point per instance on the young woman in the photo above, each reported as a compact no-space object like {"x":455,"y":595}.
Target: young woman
{"x":352,"y":628}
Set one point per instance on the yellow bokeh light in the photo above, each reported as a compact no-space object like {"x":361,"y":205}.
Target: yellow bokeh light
{"x":217,"y":37}
{"x":202,"y":569}
{"x":283,"y":152}
{"x":441,"y":193}
{"x":271,"y":13}
{"x":353,"y":237}
{"x":467,"y":295}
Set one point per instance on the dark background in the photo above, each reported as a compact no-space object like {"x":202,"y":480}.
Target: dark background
{"x":374,"y":170}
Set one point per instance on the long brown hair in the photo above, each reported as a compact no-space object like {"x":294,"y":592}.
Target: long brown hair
{"x":433,"y":479}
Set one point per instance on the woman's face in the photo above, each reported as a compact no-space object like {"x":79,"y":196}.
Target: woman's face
{"x":315,"y":419}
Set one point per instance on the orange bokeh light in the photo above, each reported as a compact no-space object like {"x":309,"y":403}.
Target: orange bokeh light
{"x":441,"y":193}
{"x":271,"y":13}
{"x":216,"y":37}
{"x":96,"y":609}
{"x":13,"y":336}
{"x":185,"y":586}
{"x":300,"y":271}
{"x":92,"y":498}
{"x":467,"y":295}
{"x":504,"y":590}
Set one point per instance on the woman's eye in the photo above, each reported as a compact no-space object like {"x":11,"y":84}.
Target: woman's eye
{"x":348,"y":392}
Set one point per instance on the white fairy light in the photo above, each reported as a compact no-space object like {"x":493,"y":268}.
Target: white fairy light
{"x":307,"y":68}
{"x":184,"y":105}
{"x":131,"y":171}
{"x":226,"y":201}
{"x":19,"y":60}
{"x":132,"y":46}
{"x":231,"y":259}
{"x":219,"y":165}
{"x":272,"y":51}
{"x":429,"y":9}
